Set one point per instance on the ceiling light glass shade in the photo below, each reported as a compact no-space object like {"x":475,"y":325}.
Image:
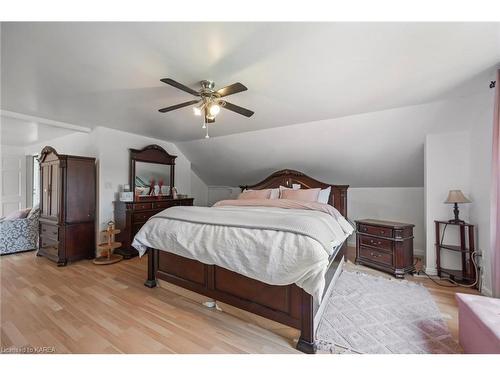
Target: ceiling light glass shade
{"x":214,"y":110}
{"x":197,"y":111}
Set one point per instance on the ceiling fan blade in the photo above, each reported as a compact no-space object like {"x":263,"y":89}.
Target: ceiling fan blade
{"x":177,"y":106}
{"x":180,"y":86}
{"x":238,"y":109}
{"x":231,"y":89}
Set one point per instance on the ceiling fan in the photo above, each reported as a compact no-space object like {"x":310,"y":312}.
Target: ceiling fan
{"x":210,"y":100}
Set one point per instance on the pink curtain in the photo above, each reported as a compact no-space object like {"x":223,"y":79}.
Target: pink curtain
{"x":495,"y":196}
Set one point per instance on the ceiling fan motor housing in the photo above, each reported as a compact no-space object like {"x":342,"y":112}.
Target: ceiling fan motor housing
{"x":207,"y":84}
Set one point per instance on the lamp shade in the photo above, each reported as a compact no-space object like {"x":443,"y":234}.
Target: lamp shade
{"x":456,"y":196}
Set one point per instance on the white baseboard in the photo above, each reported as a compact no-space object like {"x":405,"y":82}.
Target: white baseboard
{"x":431,"y":271}
{"x":418,"y":252}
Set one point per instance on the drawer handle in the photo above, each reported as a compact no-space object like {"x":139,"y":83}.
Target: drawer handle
{"x":382,"y":232}
{"x":375,"y":243}
{"x":375,"y":255}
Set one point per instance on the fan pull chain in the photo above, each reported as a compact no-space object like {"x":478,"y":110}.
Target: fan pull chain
{"x":207,"y":136}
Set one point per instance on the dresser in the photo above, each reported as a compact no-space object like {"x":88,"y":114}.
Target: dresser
{"x":67,"y":207}
{"x":385,"y":245}
{"x":131,"y":216}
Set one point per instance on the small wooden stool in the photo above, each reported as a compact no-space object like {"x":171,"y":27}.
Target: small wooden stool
{"x":107,"y":248}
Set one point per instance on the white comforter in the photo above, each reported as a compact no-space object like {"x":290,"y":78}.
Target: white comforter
{"x":276,"y":257}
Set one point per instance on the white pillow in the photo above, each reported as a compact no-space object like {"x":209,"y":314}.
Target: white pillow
{"x":324,"y":195}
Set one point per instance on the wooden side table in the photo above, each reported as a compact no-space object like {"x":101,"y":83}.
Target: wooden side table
{"x":466,"y":249}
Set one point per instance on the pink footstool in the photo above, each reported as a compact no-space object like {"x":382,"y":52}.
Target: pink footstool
{"x":479,"y":324}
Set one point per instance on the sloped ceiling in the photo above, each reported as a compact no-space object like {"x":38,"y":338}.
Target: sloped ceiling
{"x":107,"y":74}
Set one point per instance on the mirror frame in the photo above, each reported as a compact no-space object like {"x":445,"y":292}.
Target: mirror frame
{"x":152,"y":154}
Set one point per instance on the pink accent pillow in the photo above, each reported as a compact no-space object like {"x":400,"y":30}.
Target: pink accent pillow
{"x":21,"y":214}
{"x":255,"y":194}
{"x":308,"y":195}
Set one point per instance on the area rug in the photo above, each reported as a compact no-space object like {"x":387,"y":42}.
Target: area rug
{"x":372,"y":314}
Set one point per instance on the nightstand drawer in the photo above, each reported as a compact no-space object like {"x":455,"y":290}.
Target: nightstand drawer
{"x":375,"y":255}
{"x":379,"y":243}
{"x":376,"y":231}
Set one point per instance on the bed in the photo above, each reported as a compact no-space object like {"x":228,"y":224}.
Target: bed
{"x":287,"y":304}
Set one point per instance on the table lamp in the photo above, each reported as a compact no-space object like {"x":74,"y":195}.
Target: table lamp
{"x":456,"y":197}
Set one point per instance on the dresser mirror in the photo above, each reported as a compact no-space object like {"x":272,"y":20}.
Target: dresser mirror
{"x":152,"y":171}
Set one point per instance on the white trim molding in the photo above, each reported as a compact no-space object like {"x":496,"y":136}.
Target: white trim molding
{"x":41,"y":120}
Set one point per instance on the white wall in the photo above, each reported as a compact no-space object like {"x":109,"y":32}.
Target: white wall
{"x":393,"y":204}
{"x":447,"y":167}
{"x":199,"y":190}
{"x":218,"y":193}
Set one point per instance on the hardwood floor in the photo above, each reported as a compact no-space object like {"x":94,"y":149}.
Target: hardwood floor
{"x":84,"y":308}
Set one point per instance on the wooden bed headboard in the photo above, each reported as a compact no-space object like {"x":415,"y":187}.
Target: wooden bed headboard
{"x":287,"y":177}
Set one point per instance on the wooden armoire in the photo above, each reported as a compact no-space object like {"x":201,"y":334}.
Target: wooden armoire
{"x":67,"y":206}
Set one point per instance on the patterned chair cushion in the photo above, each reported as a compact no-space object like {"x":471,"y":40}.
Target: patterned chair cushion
{"x":19,"y":234}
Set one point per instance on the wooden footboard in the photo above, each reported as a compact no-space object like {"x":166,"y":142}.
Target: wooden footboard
{"x":288,"y":304}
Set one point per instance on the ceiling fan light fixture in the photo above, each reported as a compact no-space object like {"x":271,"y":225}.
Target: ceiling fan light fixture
{"x":214,"y":109}
{"x":197,"y":111}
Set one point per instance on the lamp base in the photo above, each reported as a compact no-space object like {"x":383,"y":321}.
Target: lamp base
{"x":456,"y":220}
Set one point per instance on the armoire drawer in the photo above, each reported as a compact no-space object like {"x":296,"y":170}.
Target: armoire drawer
{"x":49,"y":230}
{"x":49,"y":246}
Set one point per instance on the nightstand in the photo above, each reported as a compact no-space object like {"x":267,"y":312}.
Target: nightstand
{"x":385,"y":245}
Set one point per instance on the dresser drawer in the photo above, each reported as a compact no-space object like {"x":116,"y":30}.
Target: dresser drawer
{"x":379,"y":243}
{"x":142,"y":216}
{"x":377,"y":231}
{"x":49,"y":230}
{"x":374,"y":255}
{"x":142,"y":206}
{"x":163,"y":204}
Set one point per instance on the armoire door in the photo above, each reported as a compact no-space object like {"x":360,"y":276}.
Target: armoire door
{"x":45,"y":182}
{"x":54,"y":190}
